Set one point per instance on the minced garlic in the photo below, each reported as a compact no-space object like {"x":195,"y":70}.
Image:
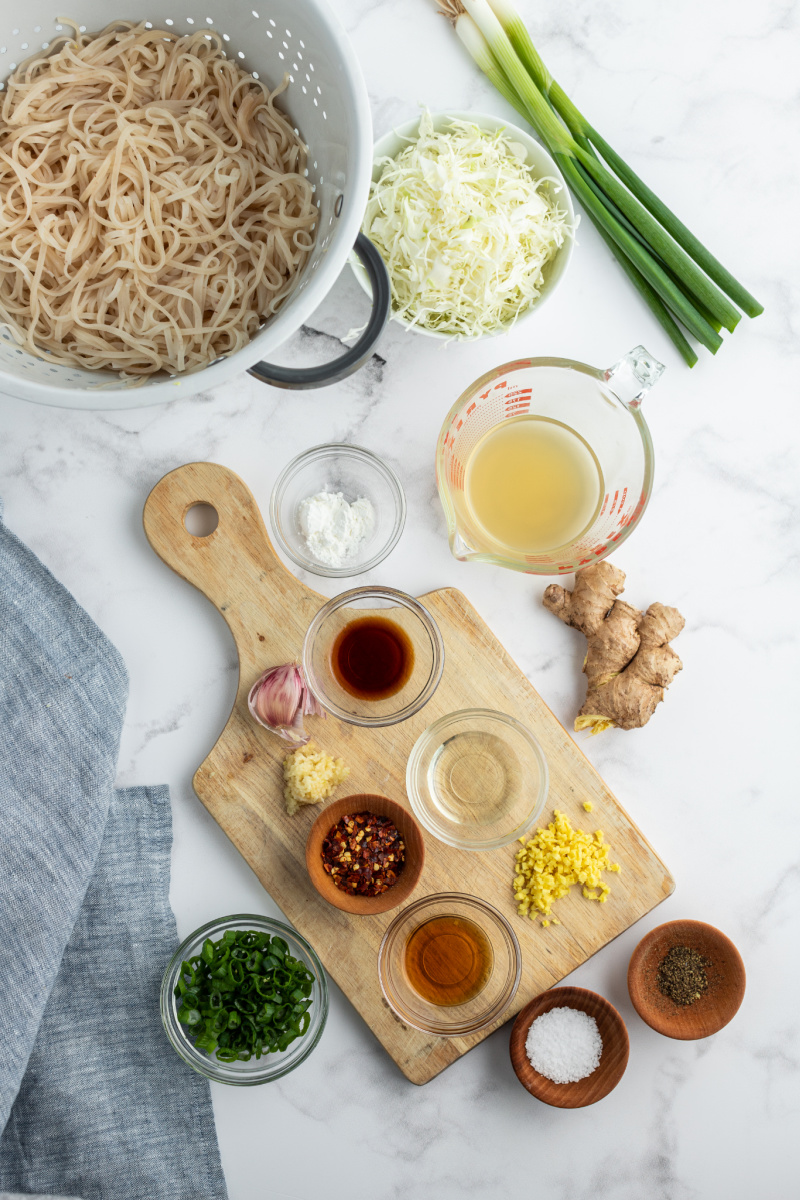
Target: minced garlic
{"x":551,"y":862}
{"x":310,"y":775}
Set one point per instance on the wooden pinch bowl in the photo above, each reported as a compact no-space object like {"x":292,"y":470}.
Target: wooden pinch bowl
{"x":714,"y":1008}
{"x":382,"y":806}
{"x":613,"y":1060}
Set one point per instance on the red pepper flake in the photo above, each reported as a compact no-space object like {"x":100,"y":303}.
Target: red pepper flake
{"x":364,"y":854}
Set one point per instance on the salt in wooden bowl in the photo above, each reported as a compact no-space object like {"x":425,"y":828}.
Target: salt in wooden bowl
{"x":613,"y":1060}
{"x":714,"y":1008}
{"x":382,"y":806}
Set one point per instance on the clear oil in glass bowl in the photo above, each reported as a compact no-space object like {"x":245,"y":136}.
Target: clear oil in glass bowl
{"x":475,"y":778}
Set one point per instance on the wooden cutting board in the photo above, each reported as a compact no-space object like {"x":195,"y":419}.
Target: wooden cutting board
{"x":240,"y":783}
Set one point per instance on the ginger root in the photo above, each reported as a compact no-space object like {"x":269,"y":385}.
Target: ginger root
{"x":628,"y":661}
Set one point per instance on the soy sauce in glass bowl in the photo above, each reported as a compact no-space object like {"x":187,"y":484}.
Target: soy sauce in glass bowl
{"x":373,"y":656}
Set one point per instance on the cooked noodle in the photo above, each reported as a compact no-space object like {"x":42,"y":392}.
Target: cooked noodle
{"x":153,"y":203}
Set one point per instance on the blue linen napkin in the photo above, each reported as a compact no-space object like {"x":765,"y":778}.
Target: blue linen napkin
{"x":94,"y":1103}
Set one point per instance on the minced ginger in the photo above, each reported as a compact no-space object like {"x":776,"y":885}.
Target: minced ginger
{"x":310,"y":775}
{"x":551,"y":862}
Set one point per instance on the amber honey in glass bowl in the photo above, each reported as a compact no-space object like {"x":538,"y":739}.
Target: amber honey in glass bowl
{"x":448,"y":960}
{"x":449,"y":964}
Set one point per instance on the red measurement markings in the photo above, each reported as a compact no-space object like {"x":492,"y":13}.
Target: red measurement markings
{"x":518,"y":402}
{"x":605,"y":502}
{"x":456,"y":473}
{"x":600,"y":550}
{"x":514,"y":366}
{"x":629,"y":517}
{"x":471,"y":408}
{"x":485,"y":395}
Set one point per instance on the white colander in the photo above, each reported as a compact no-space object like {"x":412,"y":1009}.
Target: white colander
{"x":327,"y":102}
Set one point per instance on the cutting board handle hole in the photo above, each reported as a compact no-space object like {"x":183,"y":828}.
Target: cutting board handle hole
{"x":201,"y":520}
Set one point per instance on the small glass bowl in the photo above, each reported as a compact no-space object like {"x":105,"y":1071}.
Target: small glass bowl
{"x":355,"y":472}
{"x":270,"y":1066}
{"x":477,"y":779}
{"x":404,"y":611}
{"x":457,"y":1020}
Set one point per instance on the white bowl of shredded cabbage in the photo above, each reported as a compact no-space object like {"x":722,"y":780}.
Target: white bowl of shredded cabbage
{"x":473,"y":220}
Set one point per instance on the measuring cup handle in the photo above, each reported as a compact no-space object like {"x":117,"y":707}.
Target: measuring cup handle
{"x":357,"y":355}
{"x":634,"y":375}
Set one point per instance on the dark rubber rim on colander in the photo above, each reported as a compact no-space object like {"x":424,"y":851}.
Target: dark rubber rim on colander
{"x":357,"y":355}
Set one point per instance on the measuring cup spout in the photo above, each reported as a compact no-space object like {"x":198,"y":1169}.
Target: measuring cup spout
{"x":632,"y":377}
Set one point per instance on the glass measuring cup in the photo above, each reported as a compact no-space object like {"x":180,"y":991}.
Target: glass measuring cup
{"x":602,"y":407}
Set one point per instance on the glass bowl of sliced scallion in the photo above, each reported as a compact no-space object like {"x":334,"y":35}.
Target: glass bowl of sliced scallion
{"x":244,"y":1000}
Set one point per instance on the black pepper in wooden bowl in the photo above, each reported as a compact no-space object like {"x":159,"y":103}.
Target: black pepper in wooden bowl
{"x":363,"y":854}
{"x":682,"y":974}
{"x":686,"y":979}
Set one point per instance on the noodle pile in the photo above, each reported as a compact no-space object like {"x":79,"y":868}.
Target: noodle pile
{"x":153,"y":204}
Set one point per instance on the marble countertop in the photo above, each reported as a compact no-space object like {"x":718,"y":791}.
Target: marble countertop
{"x":700,"y":97}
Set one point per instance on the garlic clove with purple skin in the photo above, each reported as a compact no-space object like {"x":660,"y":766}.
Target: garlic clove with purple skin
{"x":279,"y":699}
{"x":311,"y":705}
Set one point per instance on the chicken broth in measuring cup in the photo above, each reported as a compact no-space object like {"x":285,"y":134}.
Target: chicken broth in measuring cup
{"x":546,"y":464}
{"x":532,"y":484}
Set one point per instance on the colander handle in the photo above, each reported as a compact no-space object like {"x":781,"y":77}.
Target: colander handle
{"x":357,"y":355}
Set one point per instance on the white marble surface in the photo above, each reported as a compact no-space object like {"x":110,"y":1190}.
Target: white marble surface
{"x":702,"y":98}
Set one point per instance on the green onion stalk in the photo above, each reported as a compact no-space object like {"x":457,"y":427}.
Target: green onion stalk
{"x":684,"y":286}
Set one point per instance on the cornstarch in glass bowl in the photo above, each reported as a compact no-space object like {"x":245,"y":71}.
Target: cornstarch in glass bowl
{"x":334,"y":529}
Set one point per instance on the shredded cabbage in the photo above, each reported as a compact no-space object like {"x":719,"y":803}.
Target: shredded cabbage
{"x":464,"y":228}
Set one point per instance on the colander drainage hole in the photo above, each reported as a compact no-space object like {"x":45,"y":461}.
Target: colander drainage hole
{"x":201,"y":520}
